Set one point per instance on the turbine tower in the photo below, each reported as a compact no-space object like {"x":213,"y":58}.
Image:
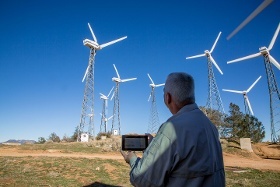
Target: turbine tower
{"x":272,"y":85}
{"x":103,"y":124}
{"x":87,"y":105}
{"x":154,"y":119}
{"x":248,"y":108}
{"x":116,"y":108}
{"x":105,"y":120}
{"x":214,"y":101}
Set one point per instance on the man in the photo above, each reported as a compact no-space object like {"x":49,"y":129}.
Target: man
{"x":186,"y":151}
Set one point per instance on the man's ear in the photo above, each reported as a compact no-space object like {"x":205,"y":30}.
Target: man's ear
{"x":168,"y":98}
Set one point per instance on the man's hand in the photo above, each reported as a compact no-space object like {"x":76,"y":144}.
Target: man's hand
{"x":127,"y":156}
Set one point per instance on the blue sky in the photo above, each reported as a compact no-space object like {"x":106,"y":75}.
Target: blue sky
{"x":43,"y":60}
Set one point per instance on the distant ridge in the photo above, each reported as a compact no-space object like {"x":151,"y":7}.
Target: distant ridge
{"x":13,"y":141}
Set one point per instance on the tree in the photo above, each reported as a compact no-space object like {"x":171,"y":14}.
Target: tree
{"x":54,"y":137}
{"x":251,"y":127}
{"x":234,"y":118}
{"x":244,"y":126}
{"x":41,"y":140}
{"x":74,"y":137}
{"x":217,"y":118}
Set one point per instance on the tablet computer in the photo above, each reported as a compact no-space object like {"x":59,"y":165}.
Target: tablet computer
{"x":134,"y":142}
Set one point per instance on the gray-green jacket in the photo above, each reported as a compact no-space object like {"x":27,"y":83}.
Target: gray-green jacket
{"x":185,"y":152}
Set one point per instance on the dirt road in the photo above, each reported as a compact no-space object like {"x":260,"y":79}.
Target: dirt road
{"x":230,"y":160}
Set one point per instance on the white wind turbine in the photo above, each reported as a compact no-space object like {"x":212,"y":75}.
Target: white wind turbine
{"x":94,"y":45}
{"x":274,"y":93}
{"x":264,"y":51}
{"x":262,"y":6}
{"x":116,"y":109}
{"x":213,"y":92}
{"x":208,"y":54}
{"x":89,"y":86}
{"x":245,"y":96}
{"x":105,"y":120}
{"x":154,"y":119}
{"x":104,"y":110}
{"x":153,"y":86}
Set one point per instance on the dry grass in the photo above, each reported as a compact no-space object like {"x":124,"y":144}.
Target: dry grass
{"x":62,"y":171}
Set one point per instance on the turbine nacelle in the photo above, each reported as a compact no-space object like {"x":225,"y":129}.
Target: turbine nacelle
{"x":91,"y":44}
{"x":264,"y":50}
{"x":115,"y":79}
{"x":207,"y":52}
{"x":104,"y":97}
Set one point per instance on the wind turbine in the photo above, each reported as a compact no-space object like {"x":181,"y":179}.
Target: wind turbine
{"x":245,"y":96}
{"x":115,"y":95}
{"x":105,"y":98}
{"x":89,"y":86}
{"x":105,"y":120}
{"x":272,"y":84}
{"x":262,"y":6}
{"x":214,"y":100}
{"x":154,"y":119}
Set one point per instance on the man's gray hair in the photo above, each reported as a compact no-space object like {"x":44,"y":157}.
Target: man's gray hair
{"x":181,"y":86}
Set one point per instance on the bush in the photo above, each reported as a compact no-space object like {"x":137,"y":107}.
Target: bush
{"x":107,"y":134}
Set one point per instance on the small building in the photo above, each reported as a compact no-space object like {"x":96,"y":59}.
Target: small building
{"x":84,"y":137}
{"x":115,"y":132}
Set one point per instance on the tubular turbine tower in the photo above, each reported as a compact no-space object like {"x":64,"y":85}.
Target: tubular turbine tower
{"x":104,"y":119}
{"x":87,"y":114}
{"x":274,"y":94}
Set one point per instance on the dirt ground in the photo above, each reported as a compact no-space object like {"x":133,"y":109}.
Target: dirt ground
{"x":257,"y":159}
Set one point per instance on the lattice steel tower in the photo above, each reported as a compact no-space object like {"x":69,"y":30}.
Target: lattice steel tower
{"x":154,"y":119}
{"x":87,"y":114}
{"x":214,"y":101}
{"x":274,"y":96}
{"x":116,"y":108}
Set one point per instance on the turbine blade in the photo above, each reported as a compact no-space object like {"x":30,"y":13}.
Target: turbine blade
{"x":250,"y":17}
{"x":274,"y":62}
{"x":125,"y":80}
{"x":110,"y":91}
{"x":216,"y":65}
{"x":151,"y":79}
{"x":116,"y":71}
{"x":149,"y":97}
{"x":102,"y":94}
{"x":253,"y":84}
{"x":158,"y":85}
{"x":113,"y":95}
{"x":92,"y":33}
{"x":234,"y":91}
{"x":112,"y":42}
{"x":110,"y":117}
{"x":85,"y":74}
{"x":249,"y":105}
{"x":274,"y":37}
{"x":215,"y":42}
{"x":244,"y":58}
{"x":196,"y":56}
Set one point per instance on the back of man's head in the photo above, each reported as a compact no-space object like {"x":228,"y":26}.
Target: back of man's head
{"x":180,"y":85}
